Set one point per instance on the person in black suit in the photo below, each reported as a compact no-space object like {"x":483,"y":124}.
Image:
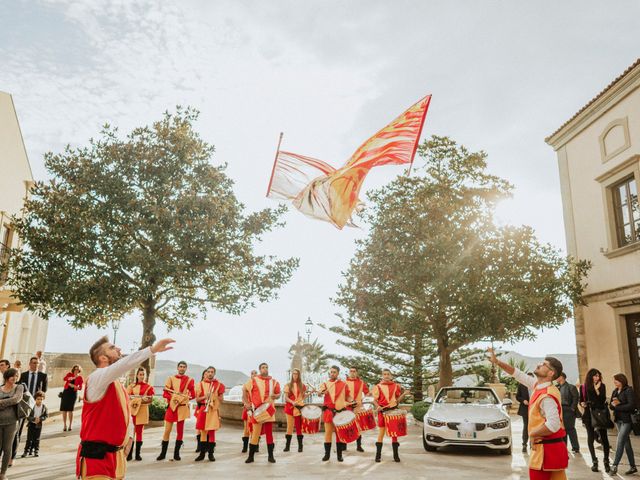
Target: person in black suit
{"x":522,"y":396}
{"x":34,"y":380}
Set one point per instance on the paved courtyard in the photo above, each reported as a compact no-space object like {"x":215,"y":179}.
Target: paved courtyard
{"x":58,"y":450}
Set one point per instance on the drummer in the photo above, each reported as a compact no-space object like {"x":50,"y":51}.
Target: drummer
{"x":387,"y":395}
{"x":141,"y":394}
{"x":337,"y":397}
{"x":246,"y":424}
{"x":358,"y":390}
{"x":294,"y":395}
{"x":209,"y":393}
{"x":259,"y":391}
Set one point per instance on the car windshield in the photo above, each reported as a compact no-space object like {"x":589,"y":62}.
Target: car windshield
{"x":467,"y":395}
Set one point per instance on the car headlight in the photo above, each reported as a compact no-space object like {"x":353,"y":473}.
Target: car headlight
{"x":435,"y":423}
{"x":499,"y":424}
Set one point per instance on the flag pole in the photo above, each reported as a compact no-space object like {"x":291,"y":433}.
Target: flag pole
{"x":415,"y":145}
{"x":275,"y":160}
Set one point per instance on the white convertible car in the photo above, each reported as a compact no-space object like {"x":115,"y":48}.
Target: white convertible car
{"x":468,"y":416}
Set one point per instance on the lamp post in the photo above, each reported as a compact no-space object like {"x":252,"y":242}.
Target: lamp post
{"x":308,"y":327}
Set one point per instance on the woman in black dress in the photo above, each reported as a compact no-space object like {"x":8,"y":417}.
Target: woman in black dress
{"x":72,"y":383}
{"x":593,"y":395}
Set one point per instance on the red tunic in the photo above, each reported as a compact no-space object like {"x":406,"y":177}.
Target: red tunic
{"x":105,"y":421}
{"x":294,"y":395}
{"x":358,"y":389}
{"x":186,"y":386}
{"x":386,"y":394}
{"x":554,"y":455}
{"x":335,"y":397}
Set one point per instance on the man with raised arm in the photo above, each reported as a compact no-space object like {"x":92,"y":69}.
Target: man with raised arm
{"x":549,"y":457}
{"x":105,"y":435}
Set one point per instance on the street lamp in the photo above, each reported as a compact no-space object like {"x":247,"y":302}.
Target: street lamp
{"x":308,"y":326}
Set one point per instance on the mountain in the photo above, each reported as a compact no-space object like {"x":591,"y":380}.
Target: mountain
{"x":166,"y":368}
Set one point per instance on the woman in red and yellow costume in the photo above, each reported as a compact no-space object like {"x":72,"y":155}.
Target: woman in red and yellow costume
{"x":140,"y":396}
{"x":294,"y":395}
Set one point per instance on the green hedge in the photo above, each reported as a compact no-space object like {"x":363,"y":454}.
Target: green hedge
{"x":419,"y":409}
{"x":157,"y":408}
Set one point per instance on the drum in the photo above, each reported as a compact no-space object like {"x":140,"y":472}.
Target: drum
{"x":346,"y":426}
{"x":311,"y":415}
{"x":395,"y":422}
{"x":365,"y":418}
{"x":264,"y":412}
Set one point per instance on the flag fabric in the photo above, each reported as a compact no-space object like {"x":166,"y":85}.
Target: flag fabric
{"x":325,"y":193}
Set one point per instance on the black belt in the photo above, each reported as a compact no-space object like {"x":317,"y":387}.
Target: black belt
{"x":551,"y":440}
{"x":97,"y":450}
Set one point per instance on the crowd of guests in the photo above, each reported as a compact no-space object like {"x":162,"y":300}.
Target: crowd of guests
{"x":590,"y":403}
{"x":15,"y":382}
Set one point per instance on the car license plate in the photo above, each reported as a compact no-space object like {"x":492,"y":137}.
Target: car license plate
{"x":467,"y":435}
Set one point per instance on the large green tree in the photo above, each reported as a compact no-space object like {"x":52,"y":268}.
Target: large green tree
{"x":435,"y":263}
{"x":145,"y":223}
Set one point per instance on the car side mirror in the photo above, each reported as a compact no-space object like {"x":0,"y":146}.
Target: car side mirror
{"x":507,"y":402}
{"x":428,"y":400}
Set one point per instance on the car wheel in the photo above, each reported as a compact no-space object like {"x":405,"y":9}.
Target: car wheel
{"x":426,"y":446}
{"x":506,"y":451}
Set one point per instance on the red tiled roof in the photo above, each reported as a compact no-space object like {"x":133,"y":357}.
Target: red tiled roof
{"x":590,"y":102}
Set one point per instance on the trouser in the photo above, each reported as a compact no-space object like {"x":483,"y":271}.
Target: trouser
{"x":246,"y":431}
{"x":328,"y":432}
{"x":525,"y":429}
{"x":294,"y":421}
{"x":139,"y":430}
{"x":17,"y":437}
{"x":591,"y":438}
{"x":569,"y":419}
{"x":7,"y":434}
{"x":33,"y":438}
{"x":623,"y":443}
{"x":381,"y":432}
{"x":168,"y":426}
{"x":544,"y":475}
{"x":265,"y":428}
{"x":208,"y":436}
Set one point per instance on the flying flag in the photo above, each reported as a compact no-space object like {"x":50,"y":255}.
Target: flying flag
{"x":323,"y":192}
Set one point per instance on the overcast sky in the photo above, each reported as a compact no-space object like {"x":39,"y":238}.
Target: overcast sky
{"x":503,"y":76}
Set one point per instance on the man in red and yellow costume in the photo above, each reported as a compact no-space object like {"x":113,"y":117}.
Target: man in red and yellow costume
{"x":549,"y":456}
{"x":358,"y":389}
{"x":178,"y":390}
{"x":386,"y":396}
{"x":337,"y":398}
{"x":260,"y":392}
{"x":105,"y":435}
{"x":209,"y":392}
{"x":141,"y":395}
{"x":246,"y":424}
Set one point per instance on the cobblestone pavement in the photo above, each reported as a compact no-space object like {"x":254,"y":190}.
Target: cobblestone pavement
{"x":57,"y":456}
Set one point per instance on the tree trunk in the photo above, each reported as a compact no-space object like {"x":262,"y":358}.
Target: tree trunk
{"x":445,"y":368}
{"x":417,"y":368}
{"x":148,"y":324}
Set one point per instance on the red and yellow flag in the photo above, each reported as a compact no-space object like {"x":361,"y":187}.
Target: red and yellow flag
{"x":325,"y":193}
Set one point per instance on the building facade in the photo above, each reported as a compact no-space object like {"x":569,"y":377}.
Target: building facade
{"x":598,"y":152}
{"x":21,"y":332}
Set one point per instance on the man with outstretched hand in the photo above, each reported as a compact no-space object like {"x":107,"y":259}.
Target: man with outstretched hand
{"x":549,"y":457}
{"x":105,"y":436}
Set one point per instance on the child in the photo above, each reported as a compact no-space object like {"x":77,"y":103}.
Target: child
{"x":35,"y":419}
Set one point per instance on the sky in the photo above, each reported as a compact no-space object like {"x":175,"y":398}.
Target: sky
{"x":503,"y":75}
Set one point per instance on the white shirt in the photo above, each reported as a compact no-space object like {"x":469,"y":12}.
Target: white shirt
{"x":100,"y":379}
{"x":548,"y":407}
{"x":37,"y":410}
{"x":42,"y":365}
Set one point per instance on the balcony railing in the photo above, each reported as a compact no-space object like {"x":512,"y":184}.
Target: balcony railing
{"x":5,"y":252}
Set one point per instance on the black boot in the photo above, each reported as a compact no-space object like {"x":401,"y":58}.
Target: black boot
{"x":252,"y":452}
{"x":138,"y":448}
{"x":340,"y":447}
{"x":605,"y":462}
{"x":396,"y":446}
{"x":300,"y":437}
{"x":359,"y":444}
{"x":245,"y":444}
{"x":327,"y":451}
{"x":130,"y":456}
{"x":163,"y":452}
{"x":270,"y":447}
{"x":287,"y":447}
{"x":36,"y":447}
{"x":212,"y":448}
{"x":594,"y":467}
{"x":204,"y":447}
{"x":378,"y":451}
{"x":198,"y":444}
{"x":176,"y":450}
